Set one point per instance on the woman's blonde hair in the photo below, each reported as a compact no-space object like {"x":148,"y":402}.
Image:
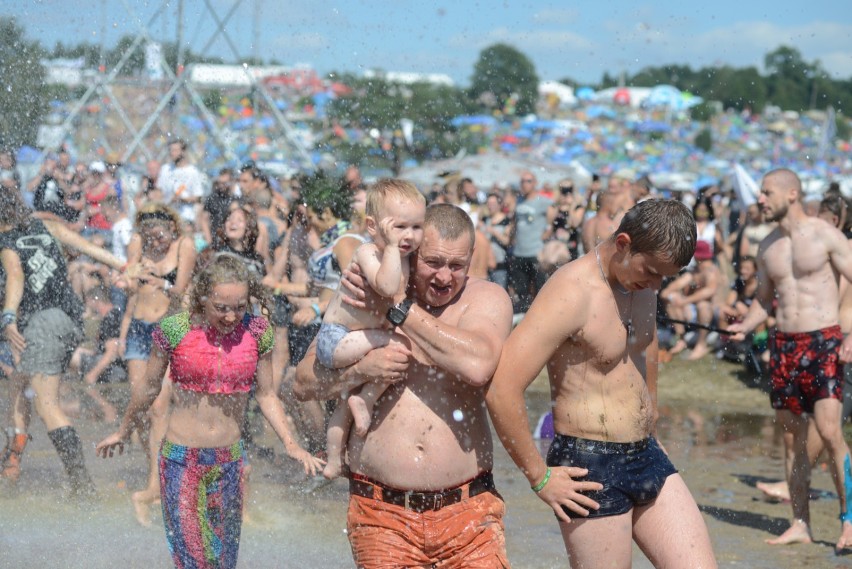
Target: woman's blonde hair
{"x":224,"y":268}
{"x":157,"y":212}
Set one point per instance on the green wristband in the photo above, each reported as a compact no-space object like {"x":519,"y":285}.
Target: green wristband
{"x":540,"y":486}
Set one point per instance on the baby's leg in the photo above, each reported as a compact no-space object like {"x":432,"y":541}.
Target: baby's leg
{"x":338,"y":430}
{"x":355,"y":345}
{"x":361,"y":403}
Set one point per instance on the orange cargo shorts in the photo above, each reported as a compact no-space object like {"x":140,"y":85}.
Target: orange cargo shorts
{"x":467,"y":534}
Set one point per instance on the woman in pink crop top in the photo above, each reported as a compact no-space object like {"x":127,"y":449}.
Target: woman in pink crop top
{"x":216,"y":351}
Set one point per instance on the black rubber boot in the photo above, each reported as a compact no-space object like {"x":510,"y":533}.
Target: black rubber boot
{"x":70,"y":451}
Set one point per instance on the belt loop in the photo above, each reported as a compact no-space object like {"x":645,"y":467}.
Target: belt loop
{"x":378,"y":493}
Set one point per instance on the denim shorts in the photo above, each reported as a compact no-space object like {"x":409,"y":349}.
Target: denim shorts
{"x":139,"y":340}
{"x":632,"y":474}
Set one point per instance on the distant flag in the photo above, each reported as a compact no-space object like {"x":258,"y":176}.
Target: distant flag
{"x":745,"y":186}
{"x":829,"y":131}
{"x":407,"y":131}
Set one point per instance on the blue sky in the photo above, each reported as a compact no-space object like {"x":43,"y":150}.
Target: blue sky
{"x":575,"y":39}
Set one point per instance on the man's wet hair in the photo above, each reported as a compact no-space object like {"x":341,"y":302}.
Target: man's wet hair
{"x":661,"y":228}
{"x":451,"y":222}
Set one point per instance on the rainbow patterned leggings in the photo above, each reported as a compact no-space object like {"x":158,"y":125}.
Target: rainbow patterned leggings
{"x":202,"y":499}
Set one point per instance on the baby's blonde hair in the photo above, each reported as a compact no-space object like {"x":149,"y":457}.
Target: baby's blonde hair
{"x":385,"y":188}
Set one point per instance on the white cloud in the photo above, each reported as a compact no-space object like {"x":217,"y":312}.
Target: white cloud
{"x":563,"y":16}
{"x":302,"y":42}
{"x":740,"y":44}
{"x":524,"y":40}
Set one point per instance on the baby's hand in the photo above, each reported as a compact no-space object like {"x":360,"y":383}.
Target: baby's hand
{"x":388,"y":232}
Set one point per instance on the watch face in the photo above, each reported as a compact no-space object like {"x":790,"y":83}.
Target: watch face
{"x":397,"y":314}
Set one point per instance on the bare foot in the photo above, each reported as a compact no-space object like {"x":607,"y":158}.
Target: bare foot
{"x":141,"y":507}
{"x":360,"y":415}
{"x":698,"y":352}
{"x":798,"y":532}
{"x":679,"y":346}
{"x":333,"y":467}
{"x":775,"y":490}
{"x":845,"y":541}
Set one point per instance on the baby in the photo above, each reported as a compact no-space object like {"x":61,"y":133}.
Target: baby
{"x":395,"y":213}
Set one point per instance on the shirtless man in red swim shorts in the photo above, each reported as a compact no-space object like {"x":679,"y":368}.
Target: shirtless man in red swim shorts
{"x":800,"y":262}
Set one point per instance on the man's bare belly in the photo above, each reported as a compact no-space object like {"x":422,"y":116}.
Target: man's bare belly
{"x":414,"y":447}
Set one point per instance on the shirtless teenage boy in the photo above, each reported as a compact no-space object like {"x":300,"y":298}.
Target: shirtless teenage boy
{"x":594,"y":327}
{"x":395,"y":212}
{"x":800,"y":262}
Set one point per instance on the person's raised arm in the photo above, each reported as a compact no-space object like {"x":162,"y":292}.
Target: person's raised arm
{"x":78,"y":242}
{"x":382,"y":269}
{"x":557,"y":314}
{"x":140,"y":402}
{"x":471,"y":349}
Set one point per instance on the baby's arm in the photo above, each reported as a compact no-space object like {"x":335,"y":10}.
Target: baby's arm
{"x":381,"y":268}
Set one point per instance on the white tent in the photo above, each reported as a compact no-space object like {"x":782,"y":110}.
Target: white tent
{"x":493,"y":167}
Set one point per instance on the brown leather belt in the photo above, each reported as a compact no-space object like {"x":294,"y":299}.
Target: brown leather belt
{"x":420,"y":502}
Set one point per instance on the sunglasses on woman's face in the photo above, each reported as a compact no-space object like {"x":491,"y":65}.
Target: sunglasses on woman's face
{"x":566,"y":190}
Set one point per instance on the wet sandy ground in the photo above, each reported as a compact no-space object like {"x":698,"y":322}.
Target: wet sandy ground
{"x":716,"y":425}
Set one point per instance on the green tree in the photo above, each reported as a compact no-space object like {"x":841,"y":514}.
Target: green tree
{"x":788,"y":79}
{"x":704,"y":140}
{"x":23,"y":97}
{"x":502,"y":71}
{"x":380,"y":104}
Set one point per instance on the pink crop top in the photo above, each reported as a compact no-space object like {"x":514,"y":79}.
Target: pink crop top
{"x":203,"y":360}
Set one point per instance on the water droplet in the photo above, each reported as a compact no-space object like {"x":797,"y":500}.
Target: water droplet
{"x":458,"y":415}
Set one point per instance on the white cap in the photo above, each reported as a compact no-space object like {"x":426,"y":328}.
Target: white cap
{"x":97,"y":166}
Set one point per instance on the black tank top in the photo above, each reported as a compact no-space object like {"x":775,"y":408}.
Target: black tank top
{"x":45,"y":273}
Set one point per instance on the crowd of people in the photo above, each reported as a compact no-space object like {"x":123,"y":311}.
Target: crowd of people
{"x":331,"y":305}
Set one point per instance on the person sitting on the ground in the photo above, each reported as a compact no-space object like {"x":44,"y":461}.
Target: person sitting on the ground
{"x":102,"y":364}
{"x":690,"y":297}
{"x":395,"y":213}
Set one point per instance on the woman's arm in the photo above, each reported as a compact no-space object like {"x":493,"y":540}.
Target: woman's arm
{"x":140,"y":402}
{"x":272,"y":408}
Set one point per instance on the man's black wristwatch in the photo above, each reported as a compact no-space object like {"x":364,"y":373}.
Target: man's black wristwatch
{"x":399,"y":312}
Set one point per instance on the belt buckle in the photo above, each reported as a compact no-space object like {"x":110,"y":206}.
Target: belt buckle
{"x":424,"y":501}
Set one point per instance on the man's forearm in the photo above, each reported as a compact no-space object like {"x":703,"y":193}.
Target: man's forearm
{"x":315,"y":382}
{"x":463,"y":353}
